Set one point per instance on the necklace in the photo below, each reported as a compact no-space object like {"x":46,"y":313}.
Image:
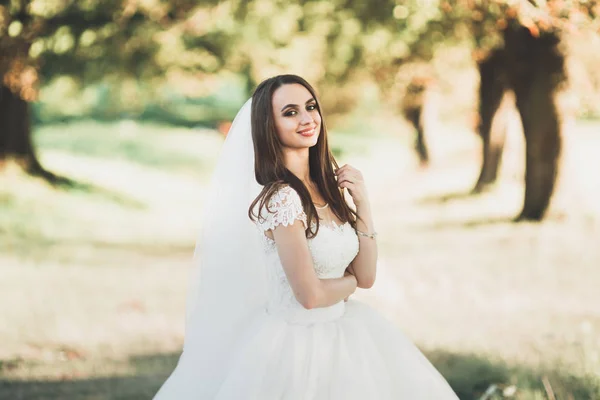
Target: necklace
{"x":322,"y":207}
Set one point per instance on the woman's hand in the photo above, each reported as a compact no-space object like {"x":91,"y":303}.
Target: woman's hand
{"x":350,"y":178}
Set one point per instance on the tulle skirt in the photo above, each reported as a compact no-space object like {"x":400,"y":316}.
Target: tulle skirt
{"x":348,"y":351}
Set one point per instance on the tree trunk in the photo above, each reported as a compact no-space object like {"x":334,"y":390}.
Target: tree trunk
{"x":536,"y":69}
{"x":412,"y":108}
{"x":15,"y":136}
{"x":414,"y":117}
{"x":15,"y":139}
{"x":541,"y":126}
{"x":492,"y":122}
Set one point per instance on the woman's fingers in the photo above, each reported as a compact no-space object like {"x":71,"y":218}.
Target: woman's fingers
{"x":347,"y":185}
{"x":342,"y":169}
{"x":348,"y":170}
{"x":349,"y":177}
{"x":340,"y":181}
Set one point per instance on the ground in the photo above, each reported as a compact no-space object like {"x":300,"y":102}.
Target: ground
{"x":93,"y":279}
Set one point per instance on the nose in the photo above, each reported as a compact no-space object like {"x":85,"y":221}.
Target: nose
{"x":305,"y":118}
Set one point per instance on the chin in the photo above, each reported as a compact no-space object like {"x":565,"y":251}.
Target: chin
{"x":312,"y":141}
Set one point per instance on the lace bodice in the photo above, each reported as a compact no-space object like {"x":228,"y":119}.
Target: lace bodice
{"x":332,"y":250}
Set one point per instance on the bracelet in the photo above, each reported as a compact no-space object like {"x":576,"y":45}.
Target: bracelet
{"x":369,"y":235}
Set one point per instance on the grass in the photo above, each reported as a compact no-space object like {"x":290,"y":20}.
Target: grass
{"x":140,"y":376}
{"x":149,"y":145}
{"x":92,"y":281}
{"x":471,"y":376}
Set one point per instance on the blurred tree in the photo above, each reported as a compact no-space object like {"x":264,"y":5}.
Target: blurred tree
{"x":516,"y":45}
{"x":532,"y":67}
{"x":525,"y":58}
{"x":91,"y":40}
{"x":413,"y":106}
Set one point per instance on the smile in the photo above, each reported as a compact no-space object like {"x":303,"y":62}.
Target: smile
{"x":307,"y":132}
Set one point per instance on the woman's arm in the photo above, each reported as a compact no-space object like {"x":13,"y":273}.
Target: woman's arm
{"x":364,"y":265}
{"x":310,"y":291}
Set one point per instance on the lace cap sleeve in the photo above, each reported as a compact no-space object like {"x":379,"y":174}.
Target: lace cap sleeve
{"x":284,"y":208}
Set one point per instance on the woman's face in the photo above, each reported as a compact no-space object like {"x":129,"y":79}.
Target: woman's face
{"x":296,"y":117}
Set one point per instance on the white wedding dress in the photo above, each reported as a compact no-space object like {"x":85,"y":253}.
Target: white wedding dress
{"x":343,"y":352}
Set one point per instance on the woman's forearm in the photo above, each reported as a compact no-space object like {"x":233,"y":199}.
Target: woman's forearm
{"x":332,"y":291}
{"x":364,"y":265}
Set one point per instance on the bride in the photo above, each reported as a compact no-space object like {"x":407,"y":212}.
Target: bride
{"x":269,"y":315}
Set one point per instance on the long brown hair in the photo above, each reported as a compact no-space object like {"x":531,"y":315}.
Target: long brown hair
{"x":269,"y":166}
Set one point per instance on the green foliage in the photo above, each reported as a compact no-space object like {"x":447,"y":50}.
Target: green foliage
{"x":139,"y":48}
{"x":64,"y":99}
{"x":90,"y":40}
{"x":471,"y":376}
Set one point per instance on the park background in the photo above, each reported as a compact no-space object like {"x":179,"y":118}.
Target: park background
{"x":474,"y":122}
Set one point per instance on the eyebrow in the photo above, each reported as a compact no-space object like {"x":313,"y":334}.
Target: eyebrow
{"x":295,"y":105}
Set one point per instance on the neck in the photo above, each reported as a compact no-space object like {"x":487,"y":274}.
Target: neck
{"x":296,"y":160}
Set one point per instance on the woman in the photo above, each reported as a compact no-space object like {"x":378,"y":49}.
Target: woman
{"x":281,"y":253}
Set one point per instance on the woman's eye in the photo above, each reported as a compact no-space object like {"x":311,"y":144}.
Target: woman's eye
{"x":290,"y":113}
{"x":311,"y":107}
